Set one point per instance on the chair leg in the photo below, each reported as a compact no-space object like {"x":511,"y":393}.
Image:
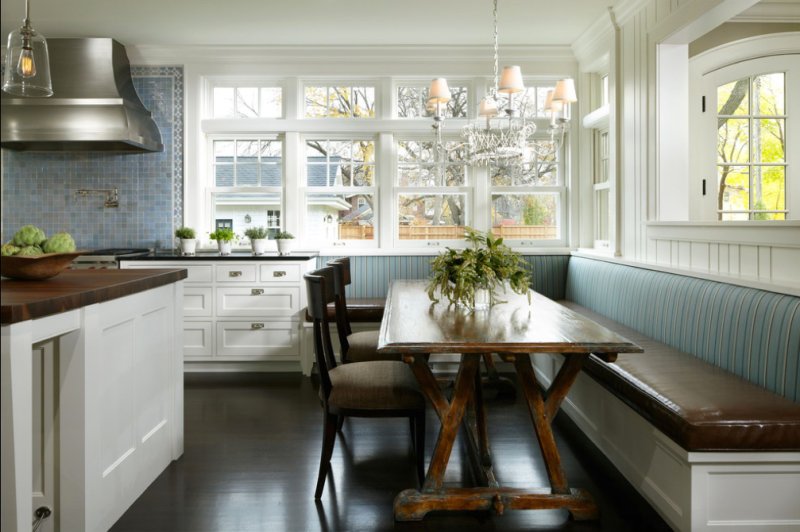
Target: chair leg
{"x":339,"y":423}
{"x":418,"y":424}
{"x":328,"y":439}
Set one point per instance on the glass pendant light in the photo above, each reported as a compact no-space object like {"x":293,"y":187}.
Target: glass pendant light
{"x":27,"y":67}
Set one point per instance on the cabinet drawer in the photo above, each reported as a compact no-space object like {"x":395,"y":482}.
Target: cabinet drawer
{"x":236,"y":273}
{"x":280,"y":273}
{"x":258,"y":339}
{"x":199,"y":273}
{"x":273,"y":301}
{"x":197,"y":340}
{"x":197,"y":301}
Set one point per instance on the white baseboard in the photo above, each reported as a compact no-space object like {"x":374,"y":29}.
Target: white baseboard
{"x":698,"y":491}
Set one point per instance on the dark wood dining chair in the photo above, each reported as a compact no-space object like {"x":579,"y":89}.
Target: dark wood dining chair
{"x":354,"y":346}
{"x":380,"y":388}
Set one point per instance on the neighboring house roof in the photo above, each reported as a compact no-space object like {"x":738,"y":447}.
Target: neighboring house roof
{"x":363,"y":213}
{"x":320,"y":172}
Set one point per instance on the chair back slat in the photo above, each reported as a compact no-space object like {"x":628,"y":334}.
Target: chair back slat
{"x":341,"y":267}
{"x":319,"y":288}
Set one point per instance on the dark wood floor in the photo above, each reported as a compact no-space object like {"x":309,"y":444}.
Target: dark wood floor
{"x":252,"y":451}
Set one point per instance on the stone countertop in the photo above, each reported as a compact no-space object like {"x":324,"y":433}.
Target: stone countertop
{"x":71,"y":289}
{"x":213,"y":255}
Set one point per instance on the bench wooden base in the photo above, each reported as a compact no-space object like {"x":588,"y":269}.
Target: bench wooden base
{"x":413,"y":505}
{"x":692,"y":491}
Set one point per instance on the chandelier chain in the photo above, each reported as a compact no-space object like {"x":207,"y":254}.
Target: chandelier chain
{"x":496,"y":52}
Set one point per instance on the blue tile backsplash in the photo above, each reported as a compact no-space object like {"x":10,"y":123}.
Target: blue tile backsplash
{"x":40,"y":187}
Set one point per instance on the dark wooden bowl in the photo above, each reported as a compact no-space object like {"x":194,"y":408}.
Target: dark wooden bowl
{"x":36,"y":268}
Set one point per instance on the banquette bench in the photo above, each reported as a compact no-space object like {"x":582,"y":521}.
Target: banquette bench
{"x":706,"y":423}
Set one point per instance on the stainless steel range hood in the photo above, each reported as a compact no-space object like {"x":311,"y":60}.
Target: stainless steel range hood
{"x":94,"y":106}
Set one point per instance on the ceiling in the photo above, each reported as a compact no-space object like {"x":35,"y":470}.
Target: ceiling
{"x":309,"y":22}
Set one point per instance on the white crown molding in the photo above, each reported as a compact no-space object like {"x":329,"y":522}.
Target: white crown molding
{"x":594,"y":42}
{"x":770,"y":12}
{"x":626,"y":9}
{"x":152,"y":54}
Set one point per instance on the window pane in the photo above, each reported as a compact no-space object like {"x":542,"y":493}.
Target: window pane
{"x":339,"y":102}
{"x":340,"y":217}
{"x":246,"y":102}
{"x":768,"y":91}
{"x":246,"y":151}
{"x":223,"y":150}
{"x":543,"y":170}
{"x":409,"y":102}
{"x":525,"y":216}
{"x":769,"y":192}
{"x":362,"y":102}
{"x":732,"y":140}
{"x":223,"y":102}
{"x":316,"y":102}
{"x":260,"y":209}
{"x":271,"y":102}
{"x":431,"y":217}
{"x":246,"y":174}
{"x":601,"y":214}
{"x":223,"y":175}
{"x":459,"y":102}
{"x":769,"y":140}
{"x":734,"y":182}
{"x":733,"y":98}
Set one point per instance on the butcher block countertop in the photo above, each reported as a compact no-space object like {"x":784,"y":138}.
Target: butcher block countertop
{"x":71,"y":289}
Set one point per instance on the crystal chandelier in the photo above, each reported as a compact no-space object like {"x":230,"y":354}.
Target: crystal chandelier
{"x":505,"y":135}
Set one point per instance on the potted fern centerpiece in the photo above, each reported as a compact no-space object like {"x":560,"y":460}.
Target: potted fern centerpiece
{"x":224,"y":237}
{"x":188,"y":240}
{"x":258,"y":239}
{"x":471,"y":277}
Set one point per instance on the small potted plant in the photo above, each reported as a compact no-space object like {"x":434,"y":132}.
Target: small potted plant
{"x":284,"y":241}
{"x":224,"y":237}
{"x":471,"y":277}
{"x":188,"y":240}
{"x":258,"y":239}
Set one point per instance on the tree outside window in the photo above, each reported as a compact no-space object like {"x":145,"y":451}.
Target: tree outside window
{"x":751,"y":148}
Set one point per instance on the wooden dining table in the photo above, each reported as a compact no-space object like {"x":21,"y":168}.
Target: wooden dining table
{"x":414,"y":327}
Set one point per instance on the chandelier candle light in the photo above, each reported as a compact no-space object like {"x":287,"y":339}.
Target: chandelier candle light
{"x":27,"y":71}
{"x":505,"y":135}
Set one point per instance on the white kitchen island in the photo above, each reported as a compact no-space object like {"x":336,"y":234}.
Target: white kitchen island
{"x":92,"y":393}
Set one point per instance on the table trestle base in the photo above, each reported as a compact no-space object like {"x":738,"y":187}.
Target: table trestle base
{"x":413,"y":505}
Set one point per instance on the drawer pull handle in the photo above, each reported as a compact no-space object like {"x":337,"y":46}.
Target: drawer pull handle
{"x":279,"y":274}
{"x":257,"y":291}
{"x":235,"y":274}
{"x":256,"y":326}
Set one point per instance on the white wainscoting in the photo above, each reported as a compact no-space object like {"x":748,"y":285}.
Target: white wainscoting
{"x":767,"y":252}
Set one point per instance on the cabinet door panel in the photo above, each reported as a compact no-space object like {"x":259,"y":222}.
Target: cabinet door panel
{"x":282,"y":301}
{"x":197,"y":301}
{"x":272,"y":340}
{"x":197,"y":341}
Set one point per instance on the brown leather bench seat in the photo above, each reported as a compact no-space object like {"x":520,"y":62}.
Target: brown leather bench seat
{"x":699,"y":406}
{"x":364,"y":310}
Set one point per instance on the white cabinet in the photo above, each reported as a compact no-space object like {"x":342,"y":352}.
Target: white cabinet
{"x":241,"y":314}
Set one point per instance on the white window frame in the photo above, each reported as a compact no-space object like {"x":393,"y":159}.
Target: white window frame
{"x":560,"y":190}
{"x":424,"y":83}
{"x":748,"y":57}
{"x":374,"y":83}
{"x":467,"y":190}
{"x":305,"y":191}
{"x":211,"y":190}
{"x":213,"y":82}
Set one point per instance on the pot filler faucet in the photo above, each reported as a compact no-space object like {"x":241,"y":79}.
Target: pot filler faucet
{"x":112,"y":195}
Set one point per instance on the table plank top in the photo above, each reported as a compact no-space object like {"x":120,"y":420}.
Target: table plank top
{"x":413,"y":324}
